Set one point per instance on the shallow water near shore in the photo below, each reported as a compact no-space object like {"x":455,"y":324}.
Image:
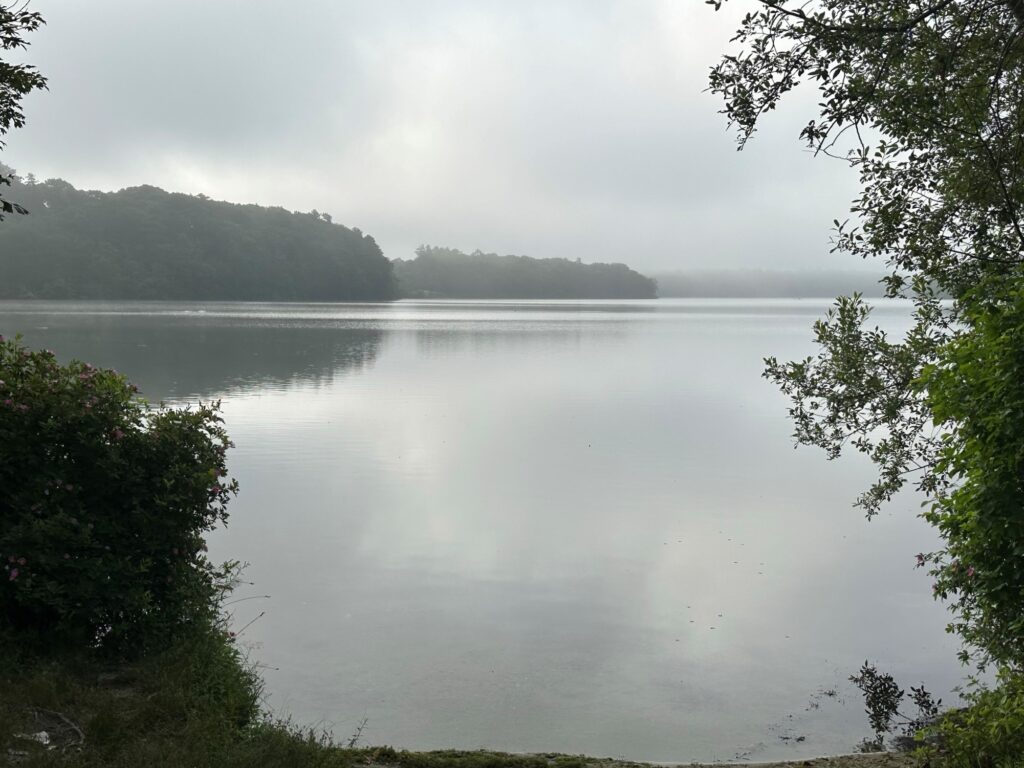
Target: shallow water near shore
{"x":538,"y":526}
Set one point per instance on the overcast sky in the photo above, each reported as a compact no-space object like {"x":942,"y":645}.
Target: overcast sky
{"x":575,"y":128}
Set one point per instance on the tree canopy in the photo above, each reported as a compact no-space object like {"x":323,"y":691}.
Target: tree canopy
{"x":145,"y":243}
{"x":924,"y":100}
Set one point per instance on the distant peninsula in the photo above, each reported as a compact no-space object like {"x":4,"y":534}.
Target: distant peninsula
{"x":145,"y":243}
{"x":451,"y":274}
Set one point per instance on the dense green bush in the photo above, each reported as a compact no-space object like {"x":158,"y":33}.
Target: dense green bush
{"x":989,"y":733}
{"x":976,"y":392}
{"x":103,"y":506}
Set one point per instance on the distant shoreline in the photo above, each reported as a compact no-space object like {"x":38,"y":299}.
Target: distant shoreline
{"x":411,"y":299}
{"x":767,"y":284}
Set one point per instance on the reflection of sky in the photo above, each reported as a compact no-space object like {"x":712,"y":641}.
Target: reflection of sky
{"x":555,"y":528}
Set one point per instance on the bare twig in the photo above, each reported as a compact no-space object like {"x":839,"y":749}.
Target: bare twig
{"x":67,"y":722}
{"x":239,"y":632}
{"x":355,"y":736}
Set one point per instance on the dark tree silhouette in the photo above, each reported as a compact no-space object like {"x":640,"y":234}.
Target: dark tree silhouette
{"x":145,"y":243}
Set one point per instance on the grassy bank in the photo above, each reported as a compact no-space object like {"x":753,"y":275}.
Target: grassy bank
{"x":197,"y":705}
{"x":193,"y":705}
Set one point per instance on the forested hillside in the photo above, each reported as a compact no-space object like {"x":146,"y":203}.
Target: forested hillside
{"x":145,"y":243}
{"x":448,"y":273}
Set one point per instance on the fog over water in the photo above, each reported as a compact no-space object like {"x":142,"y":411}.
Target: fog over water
{"x":531,"y":526}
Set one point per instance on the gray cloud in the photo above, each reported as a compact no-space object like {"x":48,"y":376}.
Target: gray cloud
{"x":577,"y":128}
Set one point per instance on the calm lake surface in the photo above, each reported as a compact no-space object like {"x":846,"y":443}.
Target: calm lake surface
{"x":533,"y":526}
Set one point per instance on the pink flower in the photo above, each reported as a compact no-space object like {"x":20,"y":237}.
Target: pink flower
{"x":970,"y":572}
{"x":117,"y":433}
{"x":13,"y":575}
{"x":920,"y":559}
{"x":22,"y":561}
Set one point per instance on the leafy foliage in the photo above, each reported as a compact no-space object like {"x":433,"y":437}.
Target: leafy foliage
{"x":924,"y":100}
{"x":861,"y":383}
{"x":976,"y":391}
{"x":883,"y":699}
{"x":103,"y":506}
{"x":988,"y":733}
{"x":938,"y":88}
{"x":448,"y":273}
{"x":16,"y":81}
{"x":145,"y":243}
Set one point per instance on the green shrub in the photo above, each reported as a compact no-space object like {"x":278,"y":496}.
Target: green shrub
{"x":103,"y":506}
{"x":976,"y":392}
{"x":989,"y":733}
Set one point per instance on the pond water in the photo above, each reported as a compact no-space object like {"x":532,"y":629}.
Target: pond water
{"x":537,"y":526}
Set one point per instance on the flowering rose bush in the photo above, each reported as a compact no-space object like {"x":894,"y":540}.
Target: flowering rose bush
{"x":103,"y":505}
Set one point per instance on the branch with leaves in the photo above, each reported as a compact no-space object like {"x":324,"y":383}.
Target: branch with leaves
{"x":925,"y":100}
{"x":16,"y":80}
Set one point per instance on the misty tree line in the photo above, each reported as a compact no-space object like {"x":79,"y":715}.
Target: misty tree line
{"x":145,"y":243}
{"x":449,"y":273}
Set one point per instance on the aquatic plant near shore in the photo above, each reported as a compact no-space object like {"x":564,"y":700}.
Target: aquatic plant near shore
{"x":883,"y":699}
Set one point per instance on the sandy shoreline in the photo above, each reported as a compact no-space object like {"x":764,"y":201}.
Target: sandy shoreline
{"x":484,"y":757}
{"x":856,"y":760}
